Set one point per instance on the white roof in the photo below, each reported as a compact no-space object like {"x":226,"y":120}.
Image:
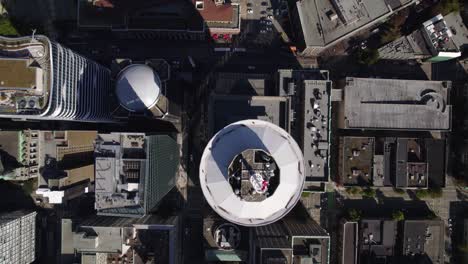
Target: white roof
{"x":54,"y":197}
{"x":232,"y":140}
{"x":138,"y":87}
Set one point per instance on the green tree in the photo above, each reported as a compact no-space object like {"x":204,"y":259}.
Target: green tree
{"x":367,"y":56}
{"x":353,"y":190}
{"x":368,"y":192}
{"x":435,"y":193}
{"x":6,"y":27}
{"x":421,"y":194}
{"x":445,"y":7}
{"x":398,"y":215}
{"x":354,"y":215}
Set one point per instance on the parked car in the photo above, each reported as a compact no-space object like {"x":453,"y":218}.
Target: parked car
{"x":249,"y":11}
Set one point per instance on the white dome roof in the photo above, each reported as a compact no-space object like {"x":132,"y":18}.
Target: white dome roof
{"x":232,"y":140}
{"x":138,"y":87}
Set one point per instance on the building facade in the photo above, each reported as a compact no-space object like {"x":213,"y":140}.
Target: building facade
{"x":18,"y":237}
{"x":42,"y":80}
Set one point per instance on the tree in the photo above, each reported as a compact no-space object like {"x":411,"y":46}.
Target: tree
{"x":353,"y":190}
{"x":367,"y":56}
{"x":435,"y":193}
{"x":421,"y":194}
{"x":369,"y":192}
{"x":445,"y":7}
{"x":6,"y":27}
{"x":354,"y":215}
{"x":398,"y":216}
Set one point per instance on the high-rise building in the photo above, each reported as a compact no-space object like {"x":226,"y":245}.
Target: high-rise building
{"x":42,"y":80}
{"x":17,"y":237}
{"x":133,"y":172}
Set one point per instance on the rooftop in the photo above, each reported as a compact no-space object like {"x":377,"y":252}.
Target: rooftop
{"x":424,"y":238}
{"x":324,"y":21}
{"x":309,"y":92}
{"x":291,"y":241}
{"x":24,"y":75}
{"x":356,"y":157}
{"x":439,"y":35}
{"x":225,"y":15}
{"x":133,"y":172}
{"x":396,"y":104}
{"x":408,"y":47}
{"x":378,"y":238}
{"x":411,"y":163}
{"x":216,"y":174}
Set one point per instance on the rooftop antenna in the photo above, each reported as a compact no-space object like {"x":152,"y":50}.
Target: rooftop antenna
{"x":32,"y":36}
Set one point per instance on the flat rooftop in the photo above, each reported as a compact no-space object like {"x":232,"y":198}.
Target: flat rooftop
{"x":424,"y":238}
{"x":412,"y":46}
{"x":378,"y":237}
{"x":396,"y":104}
{"x":24,"y":75}
{"x":120,"y":172}
{"x":219,"y":16}
{"x":18,"y":74}
{"x":326,"y":21}
{"x":309,"y":91}
{"x":439,"y":35}
{"x":356,"y":157}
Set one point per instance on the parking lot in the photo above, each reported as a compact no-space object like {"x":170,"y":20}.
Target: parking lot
{"x":262,"y":21}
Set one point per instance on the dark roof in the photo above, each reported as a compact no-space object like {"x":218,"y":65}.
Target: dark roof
{"x":436,"y":161}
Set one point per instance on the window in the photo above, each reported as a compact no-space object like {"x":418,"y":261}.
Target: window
{"x":199,"y":5}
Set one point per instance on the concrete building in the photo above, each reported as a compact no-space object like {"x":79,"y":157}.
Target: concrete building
{"x":106,"y":239}
{"x":409,"y":163}
{"x":66,"y":163}
{"x":321,"y":24}
{"x":18,"y":157}
{"x":18,"y":237}
{"x":439,"y":39}
{"x":388,"y":104}
{"x":291,"y":240}
{"x":42,"y":80}
{"x":225,"y":241}
{"x":160,"y":19}
{"x":377,"y":241}
{"x":383,"y":241}
{"x":133,"y":172}
{"x":423,"y":241}
{"x":309,"y":94}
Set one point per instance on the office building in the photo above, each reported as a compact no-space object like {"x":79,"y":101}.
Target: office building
{"x":377,"y":241}
{"x":388,"y":104}
{"x":423,"y":241}
{"x":291,"y":240}
{"x":296,"y":100}
{"x":42,"y":80}
{"x":133,"y":172}
{"x":309,"y":92}
{"x":383,"y":241}
{"x":18,"y":237}
{"x":252,"y":173}
{"x":409,"y":163}
{"x":439,"y":39}
{"x":66,"y":161}
{"x":320,"y":24}
{"x":107,"y":239}
{"x":225,"y":241}
{"x":18,"y":156}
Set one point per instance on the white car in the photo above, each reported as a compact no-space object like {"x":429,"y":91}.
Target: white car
{"x":263,"y":31}
{"x":268,"y":22}
{"x":249,"y":11}
{"x":270,"y":17}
